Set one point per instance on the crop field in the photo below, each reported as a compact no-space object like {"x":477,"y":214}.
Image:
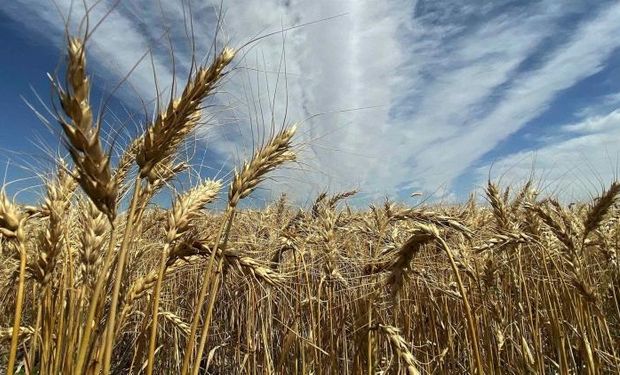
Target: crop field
{"x":97,"y":279}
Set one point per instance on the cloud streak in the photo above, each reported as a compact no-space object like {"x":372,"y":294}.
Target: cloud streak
{"x":394,"y":96}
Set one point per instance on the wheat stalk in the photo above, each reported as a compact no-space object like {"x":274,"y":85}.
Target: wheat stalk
{"x":12,"y":227}
{"x":277,"y":151}
{"x":184,"y":210}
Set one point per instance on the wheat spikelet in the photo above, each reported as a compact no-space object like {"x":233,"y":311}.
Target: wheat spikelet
{"x":400,"y":345}
{"x":569,"y":220}
{"x":523,"y":196}
{"x":11,"y":219}
{"x":280,"y":208}
{"x":388,"y":208}
{"x":170,"y":128}
{"x":124,"y":165}
{"x":176,"y":321}
{"x":598,"y":211}
{"x":316,"y":206}
{"x":502,"y":240}
{"x":82,"y":135}
{"x":499,"y":206}
{"x":92,"y":237}
{"x":232,"y":258}
{"x":431,"y":217}
{"x":251,"y":267}
{"x":583,"y":287}
{"x":557,"y":229}
{"x":187,"y":206}
{"x":276,"y":152}
{"x":333,"y":201}
{"x":422,"y":234}
{"x":140,"y":287}
{"x":161,"y":175}
{"x":52,"y":239}
{"x":24,"y":332}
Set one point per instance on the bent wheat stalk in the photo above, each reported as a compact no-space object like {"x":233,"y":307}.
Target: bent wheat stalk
{"x":471,"y":323}
{"x":184,"y":210}
{"x":273,"y":154}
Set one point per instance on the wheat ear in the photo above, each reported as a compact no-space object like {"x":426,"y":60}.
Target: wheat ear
{"x":498,"y":205}
{"x":400,"y":345}
{"x":598,"y":211}
{"x":182,"y":115}
{"x":421,"y":235}
{"x":82,"y":134}
{"x":273,"y":154}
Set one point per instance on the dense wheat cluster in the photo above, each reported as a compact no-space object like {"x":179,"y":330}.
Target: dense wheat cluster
{"x":520,"y":284}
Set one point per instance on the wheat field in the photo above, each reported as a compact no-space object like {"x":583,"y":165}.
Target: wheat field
{"x":95,"y":279}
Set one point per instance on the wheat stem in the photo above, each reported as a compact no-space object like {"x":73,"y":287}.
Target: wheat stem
{"x":471,"y":323}
{"x":109,"y":341}
{"x":18,"y":309}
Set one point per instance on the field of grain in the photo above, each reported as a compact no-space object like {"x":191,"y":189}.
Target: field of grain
{"x":521,"y":283}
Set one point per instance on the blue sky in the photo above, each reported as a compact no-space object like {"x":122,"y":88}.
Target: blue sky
{"x":393,"y":96}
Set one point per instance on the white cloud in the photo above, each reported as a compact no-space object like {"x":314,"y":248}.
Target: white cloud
{"x":442,"y":82}
{"x":586,"y":159}
{"x":531,"y":92}
{"x":116,"y":46}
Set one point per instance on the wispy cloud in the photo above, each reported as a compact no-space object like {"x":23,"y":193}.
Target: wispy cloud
{"x":407,"y":94}
{"x":582,"y":158}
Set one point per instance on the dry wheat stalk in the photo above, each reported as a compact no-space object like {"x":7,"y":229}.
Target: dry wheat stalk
{"x":52,"y":239}
{"x":274,"y":153}
{"x":12,"y":227}
{"x":185,"y":208}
